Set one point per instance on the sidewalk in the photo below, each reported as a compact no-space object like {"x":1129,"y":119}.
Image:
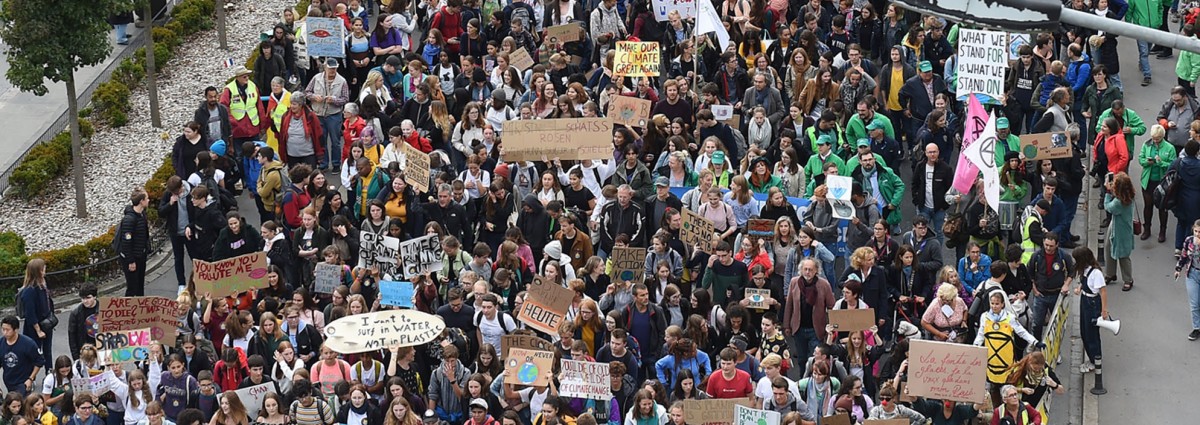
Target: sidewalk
{"x":29,"y":119}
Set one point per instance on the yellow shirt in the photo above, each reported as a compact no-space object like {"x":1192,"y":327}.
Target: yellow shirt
{"x":397,"y":208}
{"x":893,"y":94}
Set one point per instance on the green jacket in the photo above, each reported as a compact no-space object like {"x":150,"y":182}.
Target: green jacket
{"x":1146,"y":13}
{"x":811,"y":134}
{"x":1011,"y":144}
{"x":1187,"y":68}
{"x":772,"y":182}
{"x":1096,"y":104}
{"x":1132,"y":120}
{"x":1120,"y":234}
{"x":1016,"y":194}
{"x":891,"y":187}
{"x":852,"y":164}
{"x":1156,"y":170}
{"x":857,"y":129}
{"x":815,"y":166}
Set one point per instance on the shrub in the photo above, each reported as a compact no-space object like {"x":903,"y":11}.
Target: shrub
{"x":111,"y":101}
{"x":130,"y":72}
{"x":167,"y":37}
{"x":162,"y":54}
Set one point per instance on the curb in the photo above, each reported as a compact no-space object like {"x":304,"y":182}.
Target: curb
{"x":115,"y":285}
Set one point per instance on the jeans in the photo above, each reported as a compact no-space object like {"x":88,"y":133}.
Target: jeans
{"x":806,"y":342}
{"x":1115,"y":80}
{"x":1193,"y":290}
{"x":1072,"y":206}
{"x":332,"y":127}
{"x":936,"y":219}
{"x":122,"y":34}
{"x":1042,"y":304}
{"x":178,"y":250}
{"x":135,"y":281}
{"x":1144,"y":58}
{"x":1089,"y":311}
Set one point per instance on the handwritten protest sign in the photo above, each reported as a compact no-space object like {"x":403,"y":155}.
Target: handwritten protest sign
{"x":421,"y":255}
{"x":743,"y":415}
{"x":230,"y":276}
{"x":758,"y":298}
{"x":712,"y":411}
{"x":159,"y":314}
{"x":628,"y":264}
{"x":982,"y":61}
{"x":528,"y":367}
{"x":637,"y":59}
{"x":1044,"y":146}
{"x":841,"y":419}
{"x":840,"y":190}
{"x":696,"y":230}
{"x":566,"y":138}
{"x":546,"y":306}
{"x":629,"y":111}
{"x":380,"y":251}
{"x":123,"y":346}
{"x":947,"y":371}
{"x":564,"y":33}
{"x":382,"y":329}
{"x":328,"y":277}
{"x":325,"y":37}
{"x":252,"y":397}
{"x":528,"y":342}
{"x":94,"y":385}
{"x":399,"y":294}
{"x":520,"y":59}
{"x":722,"y":112}
{"x":761,"y":228}
{"x":663,"y":8}
{"x":858,"y":319}
{"x":416,"y":168}
{"x":584,"y":380}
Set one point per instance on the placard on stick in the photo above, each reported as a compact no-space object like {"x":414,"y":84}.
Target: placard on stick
{"x":696,"y":230}
{"x":327,"y":278}
{"x":947,"y":371}
{"x":584,"y":380}
{"x":382,"y":329}
{"x":528,"y":342}
{"x":758,"y":298}
{"x":859,"y":319}
{"x":160,"y":314}
{"x":416,"y":168}
{"x":712,"y":411}
{"x":1045,"y":146}
{"x":230,"y":276}
{"x":628,"y":264}
{"x":629,"y":111}
{"x":564,"y":33}
{"x":381,"y":251}
{"x":528,"y":367}
{"x":546,"y":306}
{"x":421,"y":255}
{"x":564,"y":138}
{"x":397,"y":294}
{"x":520,"y":59}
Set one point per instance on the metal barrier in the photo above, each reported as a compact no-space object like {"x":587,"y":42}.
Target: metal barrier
{"x":1056,"y":331}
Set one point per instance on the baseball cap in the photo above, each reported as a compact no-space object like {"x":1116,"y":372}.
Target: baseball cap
{"x":480,"y":403}
{"x":863,"y":142}
{"x":824,"y":139}
{"x":925,"y":66}
{"x":875,"y":124}
{"x":718,"y":157}
{"x":1001,"y":123}
{"x":331,"y":63}
{"x":662,"y":181}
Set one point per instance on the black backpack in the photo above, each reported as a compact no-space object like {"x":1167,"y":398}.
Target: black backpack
{"x":1167,"y":190}
{"x":222,"y":196}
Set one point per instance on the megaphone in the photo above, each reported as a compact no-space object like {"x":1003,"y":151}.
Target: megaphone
{"x":1111,"y":325}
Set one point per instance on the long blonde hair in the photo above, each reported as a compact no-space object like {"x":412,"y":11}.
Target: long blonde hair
{"x":35,"y":273}
{"x":441,"y":117}
{"x":236,"y":408}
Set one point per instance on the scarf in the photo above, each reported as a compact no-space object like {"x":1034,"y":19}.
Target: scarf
{"x":760,"y":97}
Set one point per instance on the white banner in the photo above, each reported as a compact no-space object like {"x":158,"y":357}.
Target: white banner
{"x":982,"y":61}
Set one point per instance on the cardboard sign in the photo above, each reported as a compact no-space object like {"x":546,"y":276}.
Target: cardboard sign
{"x":382,"y":329}
{"x":252,"y":397}
{"x":546,"y":306}
{"x":758,"y":298}
{"x":663,"y":8}
{"x":564,"y":33}
{"x":398,"y":294}
{"x":565,"y":138}
{"x":230,"y":276}
{"x":421,"y":255}
{"x":628,"y":264}
{"x":102,"y":383}
{"x":528,"y":367}
{"x":761,"y":228}
{"x":520,"y":59}
{"x":905,"y":396}
{"x":712,"y":411}
{"x":584,"y":380}
{"x":696,"y":230}
{"x":380,"y":251}
{"x":637,"y":59}
{"x":325,"y":37}
{"x":124,"y":346}
{"x":722,"y":112}
{"x":842,"y":419}
{"x":859,"y":319}
{"x":982,"y":61}
{"x":416,"y":168}
{"x":629,"y":111}
{"x":1044,"y":146}
{"x":160,"y":315}
{"x":947,"y":371}
{"x":328,"y":277}
{"x":743,"y":415}
{"x":528,"y":342}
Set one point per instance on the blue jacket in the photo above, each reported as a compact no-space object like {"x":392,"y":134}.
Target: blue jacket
{"x":1079,"y":74}
{"x":1049,"y":83}
{"x":1055,"y":221}
{"x":667,"y":368}
{"x":974,"y":279}
{"x":36,"y":304}
{"x":251,"y":169}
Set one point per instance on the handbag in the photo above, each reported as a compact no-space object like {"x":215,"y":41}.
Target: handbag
{"x":51,"y":321}
{"x":1137,"y":220}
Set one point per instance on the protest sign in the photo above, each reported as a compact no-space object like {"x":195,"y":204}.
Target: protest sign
{"x":905,"y":396}
{"x":637,"y":59}
{"x":546,"y":306}
{"x":712,"y":411}
{"x":325,"y":37}
{"x":416,"y":168}
{"x":629,"y":111}
{"x":328,"y":277}
{"x":377,"y":250}
{"x":398,"y":294}
{"x":252,"y":397}
{"x":230,"y":276}
{"x":722,"y":112}
{"x":900,"y":421}
{"x":381,"y":330}
{"x":696,"y":230}
{"x":947,"y":371}
{"x":528,"y":367}
{"x":628,"y":264}
{"x":123,"y":346}
{"x":102,"y":383}
{"x":859,"y":319}
{"x":663,"y":8}
{"x":1015,"y":41}
{"x":565,"y":138}
{"x":743,"y":415}
{"x":757,"y":298}
{"x":840,"y":419}
{"x":520,"y":59}
{"x":840,"y":189}
{"x":982,"y":61}
{"x":528,"y":342}
{"x":160,"y":315}
{"x":761,"y":228}
{"x":421,"y":255}
{"x":584,"y":380}
{"x":81,"y":386}
{"x":1044,"y":146}
{"x":564,"y":33}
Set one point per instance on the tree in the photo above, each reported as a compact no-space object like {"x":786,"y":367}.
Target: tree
{"x":52,"y":42}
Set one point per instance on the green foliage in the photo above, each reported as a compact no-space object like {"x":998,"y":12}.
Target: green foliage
{"x":167,"y":37}
{"x":12,"y":254}
{"x":129,"y":72}
{"x":85,"y":112}
{"x":162,"y":54}
{"x":111,"y":101}
{"x":194,"y":16}
{"x":44,"y":162}
{"x":39,"y":48}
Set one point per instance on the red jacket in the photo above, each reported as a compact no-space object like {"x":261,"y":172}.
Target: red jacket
{"x":312,"y":127}
{"x":350,"y":132}
{"x":420,"y":143}
{"x":1116,"y":150}
{"x":243,"y":127}
{"x":450,"y":24}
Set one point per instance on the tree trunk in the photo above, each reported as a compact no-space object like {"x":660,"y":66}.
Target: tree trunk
{"x":151,"y":69}
{"x":221,"y":24}
{"x":76,"y":148}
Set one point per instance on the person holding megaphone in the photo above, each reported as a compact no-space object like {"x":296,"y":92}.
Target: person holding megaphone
{"x":1093,"y":305}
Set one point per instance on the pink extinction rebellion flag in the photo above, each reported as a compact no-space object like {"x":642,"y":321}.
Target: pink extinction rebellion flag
{"x":966,"y":173}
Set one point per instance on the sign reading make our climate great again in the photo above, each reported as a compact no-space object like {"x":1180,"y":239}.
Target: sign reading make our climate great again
{"x":637,"y":59}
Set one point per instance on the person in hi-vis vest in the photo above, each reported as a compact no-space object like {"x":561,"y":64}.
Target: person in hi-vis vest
{"x":998,"y":329}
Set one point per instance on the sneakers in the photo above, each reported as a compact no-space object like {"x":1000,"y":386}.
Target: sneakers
{"x":1194,"y":335}
{"x":1145,"y":81}
{"x":1086,"y":367}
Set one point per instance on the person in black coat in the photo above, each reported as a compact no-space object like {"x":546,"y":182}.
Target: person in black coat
{"x":915,"y":100}
{"x":132,"y":243}
{"x":212,"y":105}
{"x":534,"y":223}
{"x":204,"y":227}
{"x":933,"y":174}
{"x":77,"y":322}
{"x":451,"y":215}
{"x":361,"y":406}
{"x":173,"y":203}
{"x":875,"y":290}
{"x":236,"y":239}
